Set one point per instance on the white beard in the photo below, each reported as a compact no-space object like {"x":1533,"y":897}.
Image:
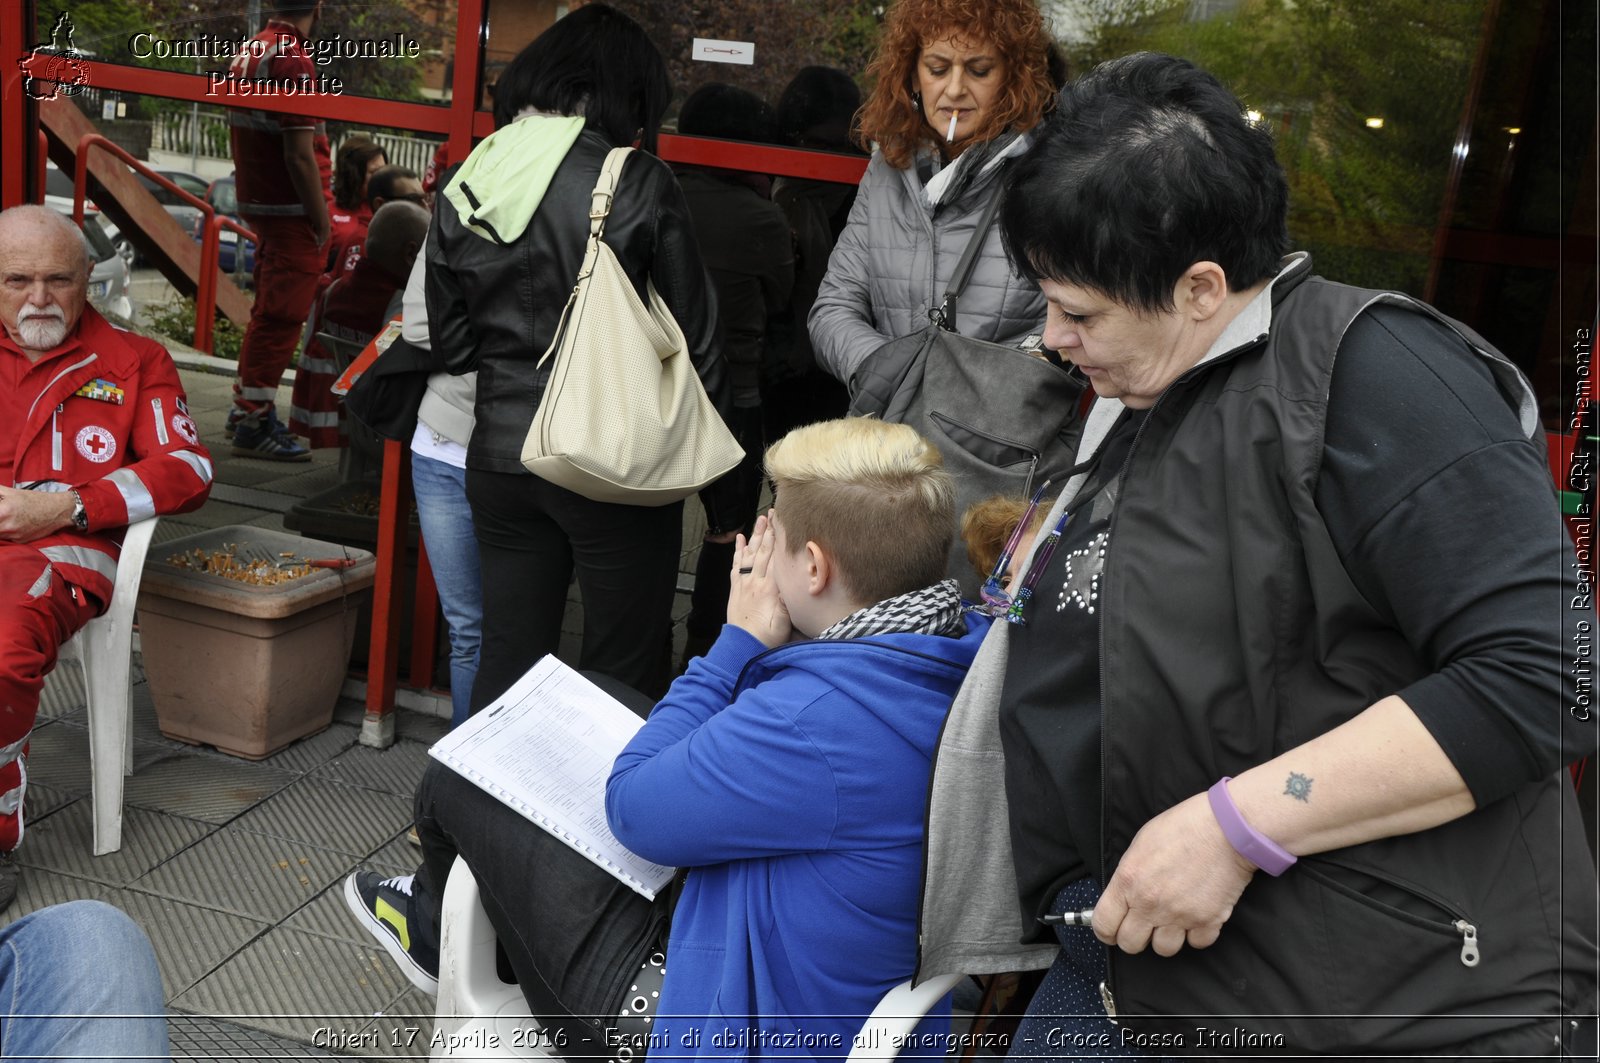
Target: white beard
{"x":42,"y":330}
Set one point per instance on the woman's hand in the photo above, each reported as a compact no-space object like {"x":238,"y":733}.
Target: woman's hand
{"x":753,"y":600}
{"x":1176,"y":884}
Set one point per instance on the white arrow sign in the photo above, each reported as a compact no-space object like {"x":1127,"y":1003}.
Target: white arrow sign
{"x":710,"y":51}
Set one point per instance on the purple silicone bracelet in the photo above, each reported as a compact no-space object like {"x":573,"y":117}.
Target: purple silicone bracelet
{"x":1248,"y":842}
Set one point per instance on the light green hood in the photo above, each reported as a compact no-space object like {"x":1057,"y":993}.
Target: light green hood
{"x":504,"y":180}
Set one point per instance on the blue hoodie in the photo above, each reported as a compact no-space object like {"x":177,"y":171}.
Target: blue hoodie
{"x":793,"y":782}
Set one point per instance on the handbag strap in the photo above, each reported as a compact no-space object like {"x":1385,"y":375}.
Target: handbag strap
{"x":945,"y":315}
{"x":605,"y":191}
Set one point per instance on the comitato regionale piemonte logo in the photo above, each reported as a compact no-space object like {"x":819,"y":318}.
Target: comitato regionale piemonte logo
{"x":57,"y":68}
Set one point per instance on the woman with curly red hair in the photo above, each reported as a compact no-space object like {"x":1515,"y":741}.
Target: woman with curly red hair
{"x":958,"y":85}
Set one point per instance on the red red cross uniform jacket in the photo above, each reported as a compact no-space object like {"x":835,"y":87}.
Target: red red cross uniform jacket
{"x":105,"y":414}
{"x":351,"y":308}
{"x":264,"y":188}
{"x":347,"y":241}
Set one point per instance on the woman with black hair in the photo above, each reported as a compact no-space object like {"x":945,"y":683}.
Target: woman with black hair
{"x":508,"y":237}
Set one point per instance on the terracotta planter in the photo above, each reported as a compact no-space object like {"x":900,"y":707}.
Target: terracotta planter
{"x":247,"y":668}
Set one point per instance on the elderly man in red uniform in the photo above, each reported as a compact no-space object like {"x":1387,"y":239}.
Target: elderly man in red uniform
{"x":283,"y":170}
{"x":94,"y":435}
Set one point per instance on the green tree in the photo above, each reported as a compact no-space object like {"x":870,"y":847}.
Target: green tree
{"x":106,"y":28}
{"x":1364,"y":200}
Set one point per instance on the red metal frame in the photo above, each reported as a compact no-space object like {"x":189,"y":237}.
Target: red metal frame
{"x":205,"y":299}
{"x":16,"y":34}
{"x":394,"y":507}
{"x":763,"y":158}
{"x":467,"y":73}
{"x":39,"y":162}
{"x":461,"y":123}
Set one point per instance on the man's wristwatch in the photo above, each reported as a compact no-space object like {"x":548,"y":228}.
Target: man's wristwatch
{"x":80,"y":518}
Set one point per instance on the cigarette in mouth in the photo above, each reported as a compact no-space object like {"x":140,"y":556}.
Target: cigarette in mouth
{"x":951,"y":135}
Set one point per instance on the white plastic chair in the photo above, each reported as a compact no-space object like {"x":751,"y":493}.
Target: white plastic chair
{"x":473,"y":1002}
{"x":896,"y":1015}
{"x":104,"y":649}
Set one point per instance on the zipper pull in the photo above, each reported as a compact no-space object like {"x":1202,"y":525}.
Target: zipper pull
{"x":1469,"y":942}
{"x":1110,"y":1001}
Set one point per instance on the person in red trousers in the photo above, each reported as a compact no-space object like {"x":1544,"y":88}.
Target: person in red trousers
{"x":283,"y":169}
{"x":95,"y":434}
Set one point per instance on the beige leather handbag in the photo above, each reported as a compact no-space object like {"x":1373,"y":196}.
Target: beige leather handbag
{"x":624,"y":417}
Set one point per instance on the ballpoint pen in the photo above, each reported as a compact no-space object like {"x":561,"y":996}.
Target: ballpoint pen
{"x":1082,"y":918}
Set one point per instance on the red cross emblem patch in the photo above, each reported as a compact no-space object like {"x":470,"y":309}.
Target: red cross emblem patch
{"x":96,"y":444}
{"x":184,"y":426}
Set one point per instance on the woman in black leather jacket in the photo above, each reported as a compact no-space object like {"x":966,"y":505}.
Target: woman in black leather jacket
{"x":503,"y":254}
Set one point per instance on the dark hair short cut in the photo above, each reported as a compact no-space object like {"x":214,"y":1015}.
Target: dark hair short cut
{"x":818,"y":108}
{"x":1147,"y":166}
{"x":382,"y":183}
{"x":721,"y":110}
{"x":294,"y":7}
{"x":598,"y":63}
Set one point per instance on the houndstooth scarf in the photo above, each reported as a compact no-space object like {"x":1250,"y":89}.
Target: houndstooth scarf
{"x":933,"y":610}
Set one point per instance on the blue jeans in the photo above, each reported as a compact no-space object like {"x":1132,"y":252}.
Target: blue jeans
{"x":446,"y":520}
{"x":79,"y":980}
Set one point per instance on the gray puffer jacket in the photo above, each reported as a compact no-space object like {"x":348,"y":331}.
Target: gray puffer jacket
{"x":896,"y":257}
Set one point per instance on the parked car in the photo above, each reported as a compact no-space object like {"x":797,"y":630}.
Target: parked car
{"x":180,"y":210}
{"x":58,"y":194}
{"x":223,"y":196}
{"x":110,"y":277}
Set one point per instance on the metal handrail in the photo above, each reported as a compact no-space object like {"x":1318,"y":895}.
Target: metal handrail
{"x":205,"y":296}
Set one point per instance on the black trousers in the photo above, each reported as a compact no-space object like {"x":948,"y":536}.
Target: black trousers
{"x":730,"y":505}
{"x":532,"y":537}
{"x":574,"y":937}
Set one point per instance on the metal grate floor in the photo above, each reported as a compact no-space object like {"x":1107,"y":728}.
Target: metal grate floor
{"x":235,"y":870}
{"x":205,"y":1037}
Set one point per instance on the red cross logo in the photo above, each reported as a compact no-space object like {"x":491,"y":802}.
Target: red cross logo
{"x":185,"y":428}
{"x":96,"y":444}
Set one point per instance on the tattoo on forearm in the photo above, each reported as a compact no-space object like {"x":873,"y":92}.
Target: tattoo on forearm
{"x":1299,"y":787}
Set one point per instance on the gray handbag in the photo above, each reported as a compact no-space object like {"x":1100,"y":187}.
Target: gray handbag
{"x":1002,"y":417}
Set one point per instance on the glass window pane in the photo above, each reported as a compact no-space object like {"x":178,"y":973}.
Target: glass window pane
{"x":389,"y":49}
{"x":778,"y":37}
{"x":1428,"y":147}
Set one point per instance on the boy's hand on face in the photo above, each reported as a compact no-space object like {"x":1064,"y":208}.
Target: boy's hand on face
{"x":754,"y":603}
